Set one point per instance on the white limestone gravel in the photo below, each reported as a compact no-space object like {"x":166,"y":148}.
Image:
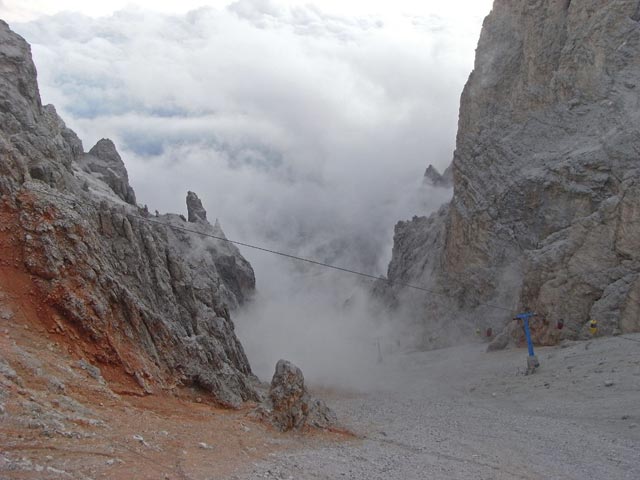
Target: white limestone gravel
{"x":461,"y":413}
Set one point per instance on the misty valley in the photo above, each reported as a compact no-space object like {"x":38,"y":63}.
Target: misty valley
{"x":246,"y":239}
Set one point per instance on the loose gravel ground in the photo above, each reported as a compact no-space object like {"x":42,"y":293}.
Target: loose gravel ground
{"x":461,"y":413}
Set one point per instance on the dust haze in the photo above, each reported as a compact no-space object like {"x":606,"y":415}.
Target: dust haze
{"x":301,"y":131}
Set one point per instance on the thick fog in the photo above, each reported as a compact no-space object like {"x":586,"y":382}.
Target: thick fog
{"x":301,"y":131}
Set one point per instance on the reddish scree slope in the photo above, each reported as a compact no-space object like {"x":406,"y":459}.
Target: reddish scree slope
{"x":65,"y":417}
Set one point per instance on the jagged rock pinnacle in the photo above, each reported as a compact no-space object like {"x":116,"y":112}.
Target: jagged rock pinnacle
{"x":104,"y":159}
{"x":196,"y":212}
{"x":433,"y":177}
{"x":105,"y":150}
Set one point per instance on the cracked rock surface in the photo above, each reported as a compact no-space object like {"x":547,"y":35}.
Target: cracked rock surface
{"x":289,"y":406}
{"x":140,"y":293}
{"x":546,"y":179}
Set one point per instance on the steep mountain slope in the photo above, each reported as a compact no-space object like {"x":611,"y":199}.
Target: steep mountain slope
{"x":141,"y":295}
{"x":546,"y":205}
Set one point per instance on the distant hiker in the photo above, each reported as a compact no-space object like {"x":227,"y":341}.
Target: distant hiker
{"x":593,"y":327}
{"x":560,"y":324}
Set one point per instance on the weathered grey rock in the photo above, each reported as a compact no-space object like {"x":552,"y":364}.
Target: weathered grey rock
{"x":145,"y":295}
{"x":103,"y":159}
{"x":34,"y":142}
{"x":499,"y":343}
{"x":289,"y":406}
{"x":6,"y":313}
{"x":434,"y":178}
{"x":320,"y":415}
{"x":288,"y":396}
{"x":546,"y":171}
{"x":195,"y":211}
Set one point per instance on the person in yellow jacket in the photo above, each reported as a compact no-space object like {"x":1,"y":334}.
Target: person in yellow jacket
{"x":593,"y":327}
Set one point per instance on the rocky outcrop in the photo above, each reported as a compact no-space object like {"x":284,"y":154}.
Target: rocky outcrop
{"x":546,"y":170}
{"x":149,"y":296}
{"x":195,"y":211}
{"x":289,"y":406}
{"x":436,"y":179}
{"x":36,"y":142}
{"x":104,"y":161}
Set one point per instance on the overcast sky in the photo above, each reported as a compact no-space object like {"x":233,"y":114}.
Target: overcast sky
{"x":303,"y":126}
{"x":464,"y":10}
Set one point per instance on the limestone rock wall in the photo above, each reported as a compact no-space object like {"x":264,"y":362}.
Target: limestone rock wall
{"x":545,"y":212}
{"x":141,"y":293}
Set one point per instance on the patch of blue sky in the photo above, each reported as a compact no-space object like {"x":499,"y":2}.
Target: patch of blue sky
{"x":252,"y":155}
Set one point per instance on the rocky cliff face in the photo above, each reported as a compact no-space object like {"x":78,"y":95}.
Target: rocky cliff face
{"x":546,"y":205}
{"x":136,"y":292}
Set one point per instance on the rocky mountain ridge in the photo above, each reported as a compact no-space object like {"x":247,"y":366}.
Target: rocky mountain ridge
{"x":140,"y":293}
{"x":546,"y":206}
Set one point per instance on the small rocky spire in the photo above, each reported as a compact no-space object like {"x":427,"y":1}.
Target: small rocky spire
{"x":433,"y":177}
{"x":217,"y":229}
{"x":195,"y":210}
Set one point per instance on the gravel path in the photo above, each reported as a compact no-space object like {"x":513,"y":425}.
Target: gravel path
{"x":462,"y":413}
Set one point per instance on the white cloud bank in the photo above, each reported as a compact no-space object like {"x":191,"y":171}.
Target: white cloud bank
{"x":301,"y":131}
{"x":461,"y":10}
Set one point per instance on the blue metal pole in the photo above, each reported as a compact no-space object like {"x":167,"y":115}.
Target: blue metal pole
{"x":527,"y":332}
{"x":532,"y":361}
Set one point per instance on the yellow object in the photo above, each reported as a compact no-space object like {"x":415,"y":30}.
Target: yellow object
{"x":593,"y":327}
